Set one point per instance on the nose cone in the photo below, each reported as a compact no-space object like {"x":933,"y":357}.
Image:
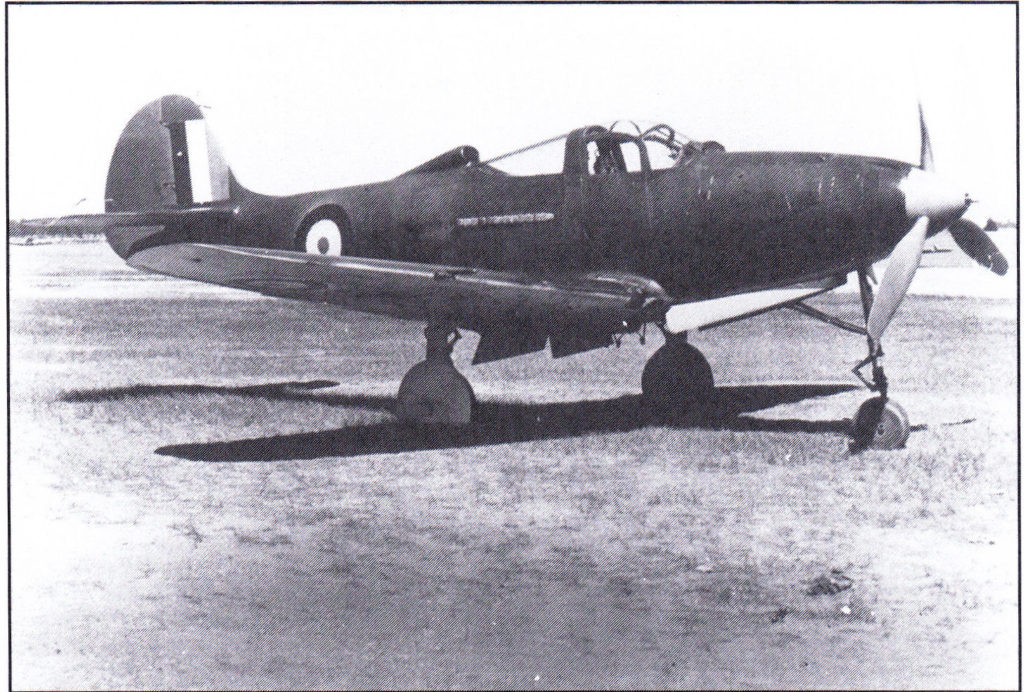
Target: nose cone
{"x":927,"y":194}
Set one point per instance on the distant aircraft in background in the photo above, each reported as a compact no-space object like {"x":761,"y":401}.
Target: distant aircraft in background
{"x":576,"y":259}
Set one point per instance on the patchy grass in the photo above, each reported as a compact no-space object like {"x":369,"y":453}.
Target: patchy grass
{"x":568,"y":537}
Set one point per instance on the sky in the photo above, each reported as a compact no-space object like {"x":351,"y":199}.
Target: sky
{"x":311,"y":97}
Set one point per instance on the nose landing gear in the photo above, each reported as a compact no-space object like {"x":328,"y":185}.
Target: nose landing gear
{"x":880,"y":422}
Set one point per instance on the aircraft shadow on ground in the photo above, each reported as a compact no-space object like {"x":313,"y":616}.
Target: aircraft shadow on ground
{"x":496,"y":422}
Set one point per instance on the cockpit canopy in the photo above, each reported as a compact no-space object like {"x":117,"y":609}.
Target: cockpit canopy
{"x":625,"y":146}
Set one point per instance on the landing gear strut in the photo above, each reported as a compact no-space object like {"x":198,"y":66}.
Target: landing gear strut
{"x":677,"y":383}
{"x":880,"y":422}
{"x":433,"y":392}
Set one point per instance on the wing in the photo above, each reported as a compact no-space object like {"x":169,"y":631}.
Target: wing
{"x":515,"y":313}
{"x":705,"y":314}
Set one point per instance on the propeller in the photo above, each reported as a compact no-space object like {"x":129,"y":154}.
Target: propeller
{"x":903,"y":263}
{"x":937,"y":206}
{"x":967,"y":234}
{"x":978,"y":246}
{"x":927,"y":158}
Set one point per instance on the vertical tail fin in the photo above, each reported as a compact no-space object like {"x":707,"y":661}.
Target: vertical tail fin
{"x":166,"y":158}
{"x":168,"y":180}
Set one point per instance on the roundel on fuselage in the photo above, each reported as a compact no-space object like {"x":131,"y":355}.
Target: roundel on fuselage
{"x":324,"y":231}
{"x":324,"y":238}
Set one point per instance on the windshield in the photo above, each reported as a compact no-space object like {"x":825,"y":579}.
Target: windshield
{"x":666,"y":146}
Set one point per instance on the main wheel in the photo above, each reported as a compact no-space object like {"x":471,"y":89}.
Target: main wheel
{"x":433,"y":392}
{"x":677,"y":383}
{"x":880,"y":424}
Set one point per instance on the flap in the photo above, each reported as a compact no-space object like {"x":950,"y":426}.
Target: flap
{"x":500,"y":343}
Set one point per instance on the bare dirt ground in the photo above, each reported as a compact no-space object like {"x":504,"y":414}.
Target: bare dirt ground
{"x":209,"y":491}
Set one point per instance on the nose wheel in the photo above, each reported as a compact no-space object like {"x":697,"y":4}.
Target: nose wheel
{"x":880,"y":424}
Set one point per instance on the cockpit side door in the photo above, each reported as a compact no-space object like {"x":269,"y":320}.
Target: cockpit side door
{"x":612,"y":171}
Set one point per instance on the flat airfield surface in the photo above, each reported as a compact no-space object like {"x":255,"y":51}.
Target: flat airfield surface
{"x":209,"y":491}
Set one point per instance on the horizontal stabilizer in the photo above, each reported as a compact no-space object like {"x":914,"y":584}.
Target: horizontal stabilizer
{"x":130,"y":231}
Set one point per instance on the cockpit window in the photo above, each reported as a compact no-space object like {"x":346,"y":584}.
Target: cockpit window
{"x":540,"y":158}
{"x":664,"y":145}
{"x":625,"y":158}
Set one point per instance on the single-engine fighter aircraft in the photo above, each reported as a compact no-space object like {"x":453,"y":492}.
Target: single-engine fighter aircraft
{"x":576,"y":259}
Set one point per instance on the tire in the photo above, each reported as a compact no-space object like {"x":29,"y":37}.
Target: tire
{"x":677,"y":383}
{"x":434,"y":393}
{"x":880,"y":424}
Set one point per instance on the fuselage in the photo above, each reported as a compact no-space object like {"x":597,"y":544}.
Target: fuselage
{"x":718,"y":223}
{"x":710,"y":223}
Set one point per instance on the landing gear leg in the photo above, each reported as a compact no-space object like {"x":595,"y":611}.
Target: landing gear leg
{"x":880,"y":422}
{"x":433,"y":392}
{"x":677,"y":383}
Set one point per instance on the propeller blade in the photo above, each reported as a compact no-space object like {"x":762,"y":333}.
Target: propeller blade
{"x":903,"y":263}
{"x":978,"y":246}
{"x":927,"y":160}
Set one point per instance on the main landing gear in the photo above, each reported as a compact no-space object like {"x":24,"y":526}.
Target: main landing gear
{"x":677,"y":383}
{"x":880,"y":422}
{"x":433,"y":392}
